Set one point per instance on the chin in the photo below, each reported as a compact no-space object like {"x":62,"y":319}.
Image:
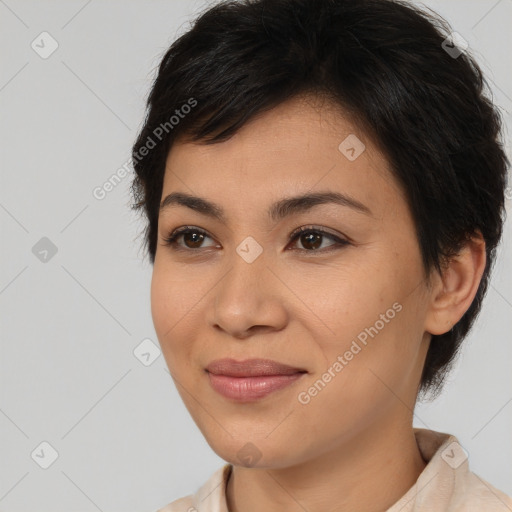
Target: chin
{"x":262,"y":454}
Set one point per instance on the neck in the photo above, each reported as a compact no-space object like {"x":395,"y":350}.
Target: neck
{"x":369,"y":472}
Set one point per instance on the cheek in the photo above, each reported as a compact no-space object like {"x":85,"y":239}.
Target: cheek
{"x":346,"y":299}
{"x":359,"y":384}
{"x":375,"y":331}
{"x":161,"y":300}
{"x":379,"y":360}
{"x":175,"y":294}
{"x":172,"y":305}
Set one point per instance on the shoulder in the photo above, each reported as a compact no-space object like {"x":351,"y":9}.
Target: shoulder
{"x":181,"y":505}
{"x":211,"y":497}
{"x":447,"y":483}
{"x":474,"y":494}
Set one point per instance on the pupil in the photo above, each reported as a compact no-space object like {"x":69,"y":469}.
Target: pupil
{"x":197,"y":238}
{"x":310,"y":237}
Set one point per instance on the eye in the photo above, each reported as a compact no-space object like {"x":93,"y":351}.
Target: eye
{"x":310,"y":237}
{"x":192,"y":237}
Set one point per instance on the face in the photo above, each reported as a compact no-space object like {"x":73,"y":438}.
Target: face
{"x":343,"y":303}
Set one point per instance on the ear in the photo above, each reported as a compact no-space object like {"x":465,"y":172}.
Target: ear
{"x":453,"y":291}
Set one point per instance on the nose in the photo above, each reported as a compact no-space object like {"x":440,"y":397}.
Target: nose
{"x":249,"y":299}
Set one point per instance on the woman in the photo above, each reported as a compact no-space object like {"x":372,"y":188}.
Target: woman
{"x":324,"y":189}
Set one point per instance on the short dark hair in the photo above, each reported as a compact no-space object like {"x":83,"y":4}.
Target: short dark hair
{"x":393,"y":67}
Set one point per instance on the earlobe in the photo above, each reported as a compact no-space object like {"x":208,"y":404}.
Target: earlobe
{"x":454,"y":291}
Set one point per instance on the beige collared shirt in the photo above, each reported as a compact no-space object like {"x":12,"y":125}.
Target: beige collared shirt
{"x":445,"y":485}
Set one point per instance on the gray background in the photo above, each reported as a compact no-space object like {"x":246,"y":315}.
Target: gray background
{"x":72,"y":320}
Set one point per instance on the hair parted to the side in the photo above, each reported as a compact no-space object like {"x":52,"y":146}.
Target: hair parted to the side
{"x":383,"y":62}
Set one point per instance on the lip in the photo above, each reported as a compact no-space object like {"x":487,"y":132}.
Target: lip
{"x":250,"y":368}
{"x":252,"y":379}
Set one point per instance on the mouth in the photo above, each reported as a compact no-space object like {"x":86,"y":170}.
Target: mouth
{"x":250,"y":380}
{"x":250,"y":368}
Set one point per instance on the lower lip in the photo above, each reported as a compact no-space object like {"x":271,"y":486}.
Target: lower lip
{"x":248,"y":389}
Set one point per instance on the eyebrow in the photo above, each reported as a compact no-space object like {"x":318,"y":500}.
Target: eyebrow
{"x":277,"y":211}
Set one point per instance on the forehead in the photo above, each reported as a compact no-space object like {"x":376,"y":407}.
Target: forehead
{"x":300,"y":146}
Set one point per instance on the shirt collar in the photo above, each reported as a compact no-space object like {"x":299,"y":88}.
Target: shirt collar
{"x":445,"y":480}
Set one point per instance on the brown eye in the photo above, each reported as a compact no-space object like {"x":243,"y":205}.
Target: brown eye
{"x":311,"y":239}
{"x":192,"y":238}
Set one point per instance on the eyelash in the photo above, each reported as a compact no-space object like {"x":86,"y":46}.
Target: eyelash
{"x":295,"y":235}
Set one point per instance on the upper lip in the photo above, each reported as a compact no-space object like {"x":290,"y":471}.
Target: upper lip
{"x":250,"y":368}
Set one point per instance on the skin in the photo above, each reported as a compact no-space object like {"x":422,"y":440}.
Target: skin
{"x":352,"y":446}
